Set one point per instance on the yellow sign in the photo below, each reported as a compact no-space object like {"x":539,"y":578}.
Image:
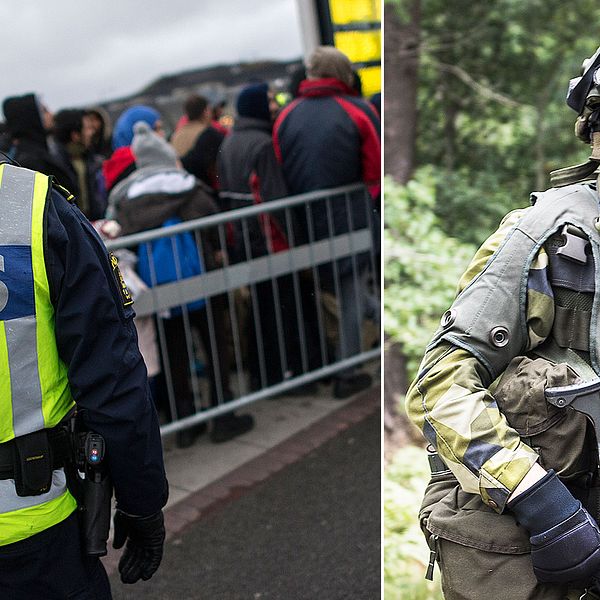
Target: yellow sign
{"x":359,"y":46}
{"x":357,"y":33}
{"x":344,"y":11}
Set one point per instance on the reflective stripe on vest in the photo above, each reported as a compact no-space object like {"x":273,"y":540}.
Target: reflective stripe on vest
{"x":34,"y":389}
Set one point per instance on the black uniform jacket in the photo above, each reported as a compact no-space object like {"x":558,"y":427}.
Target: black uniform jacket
{"x":97,"y":340}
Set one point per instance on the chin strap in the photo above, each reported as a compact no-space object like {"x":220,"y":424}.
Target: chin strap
{"x":569,"y":175}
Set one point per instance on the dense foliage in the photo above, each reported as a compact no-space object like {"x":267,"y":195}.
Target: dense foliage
{"x":406,"y":554}
{"x":423,"y":264}
{"x":492,"y":112}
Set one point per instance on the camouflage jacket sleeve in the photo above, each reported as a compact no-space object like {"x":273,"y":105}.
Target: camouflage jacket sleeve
{"x":451,"y":404}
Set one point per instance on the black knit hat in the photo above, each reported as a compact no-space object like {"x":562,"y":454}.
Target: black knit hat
{"x":253,"y":102}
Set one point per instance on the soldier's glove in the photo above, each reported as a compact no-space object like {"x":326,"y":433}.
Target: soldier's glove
{"x":145,"y":538}
{"x":565,"y":540}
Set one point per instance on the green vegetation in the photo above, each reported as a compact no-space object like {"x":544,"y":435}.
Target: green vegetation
{"x":406,"y":554}
{"x":423,"y":264}
{"x":491,"y":96}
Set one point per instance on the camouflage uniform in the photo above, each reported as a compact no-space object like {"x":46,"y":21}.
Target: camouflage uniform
{"x":491,"y":427}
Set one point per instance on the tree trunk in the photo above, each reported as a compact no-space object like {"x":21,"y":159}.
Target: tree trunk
{"x":401,"y":62}
{"x":395,"y":382}
{"x":398,"y":430}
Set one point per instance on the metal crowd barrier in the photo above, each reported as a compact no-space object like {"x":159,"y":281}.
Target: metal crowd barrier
{"x":278,"y":312}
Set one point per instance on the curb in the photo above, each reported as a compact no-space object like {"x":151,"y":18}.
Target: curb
{"x":237,"y":482}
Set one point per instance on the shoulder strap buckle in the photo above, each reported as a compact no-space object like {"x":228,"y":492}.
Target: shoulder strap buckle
{"x":575,"y":245}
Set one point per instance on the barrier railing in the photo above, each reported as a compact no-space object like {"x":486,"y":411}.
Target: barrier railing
{"x":280,"y":299}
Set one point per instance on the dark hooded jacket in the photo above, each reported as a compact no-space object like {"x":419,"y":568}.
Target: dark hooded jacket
{"x":249,"y":174}
{"x":248,"y":150}
{"x":30,"y":145}
{"x":84,"y":166}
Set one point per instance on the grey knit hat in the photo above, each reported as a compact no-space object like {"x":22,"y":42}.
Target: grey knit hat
{"x":327,"y":61}
{"x":151,"y":150}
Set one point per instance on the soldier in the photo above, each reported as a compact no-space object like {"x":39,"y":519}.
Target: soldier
{"x":512,"y":505}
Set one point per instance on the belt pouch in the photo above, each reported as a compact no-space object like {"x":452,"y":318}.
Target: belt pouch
{"x":33,"y":464}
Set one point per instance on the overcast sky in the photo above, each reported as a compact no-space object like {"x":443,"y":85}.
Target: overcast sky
{"x":79,"y":52}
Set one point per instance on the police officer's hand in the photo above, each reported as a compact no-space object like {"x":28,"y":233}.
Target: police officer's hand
{"x":145,"y":538}
{"x":565,"y":540}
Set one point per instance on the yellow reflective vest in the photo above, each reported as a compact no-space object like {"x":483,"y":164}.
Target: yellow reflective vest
{"x":34,"y":389}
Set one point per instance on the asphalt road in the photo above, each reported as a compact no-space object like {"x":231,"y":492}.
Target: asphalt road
{"x":310,"y":531}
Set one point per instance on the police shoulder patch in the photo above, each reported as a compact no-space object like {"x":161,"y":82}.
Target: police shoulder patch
{"x":123,"y":289}
{"x":64,"y":192}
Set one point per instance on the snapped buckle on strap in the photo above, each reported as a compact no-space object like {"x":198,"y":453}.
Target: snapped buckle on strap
{"x":436,"y":464}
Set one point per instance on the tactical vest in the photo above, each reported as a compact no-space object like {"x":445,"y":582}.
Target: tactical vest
{"x":488,"y":318}
{"x":34,"y":389}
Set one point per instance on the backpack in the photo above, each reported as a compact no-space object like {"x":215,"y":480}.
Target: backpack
{"x":165,"y":267}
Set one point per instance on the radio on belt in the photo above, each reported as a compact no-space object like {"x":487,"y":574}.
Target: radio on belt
{"x":94,"y":449}
{"x":97,"y":492}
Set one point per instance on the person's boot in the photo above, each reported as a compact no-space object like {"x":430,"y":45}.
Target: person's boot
{"x":186,"y":437}
{"x":348,"y":385}
{"x":306,"y":389}
{"x":229,"y":426}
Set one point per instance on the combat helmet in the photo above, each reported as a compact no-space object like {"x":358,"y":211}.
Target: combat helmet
{"x":583,"y":96}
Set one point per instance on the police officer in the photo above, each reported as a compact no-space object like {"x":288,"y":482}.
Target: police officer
{"x":67,"y":340}
{"x":512,"y":507}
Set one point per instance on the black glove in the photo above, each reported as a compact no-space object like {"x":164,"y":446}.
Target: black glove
{"x":565,"y":540}
{"x":145,"y":539}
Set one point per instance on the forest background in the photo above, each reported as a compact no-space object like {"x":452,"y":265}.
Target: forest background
{"x":474,"y":120}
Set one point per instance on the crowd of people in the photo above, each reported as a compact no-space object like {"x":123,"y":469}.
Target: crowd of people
{"x":133,"y":177}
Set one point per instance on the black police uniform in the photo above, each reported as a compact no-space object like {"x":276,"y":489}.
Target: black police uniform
{"x":97,"y":340}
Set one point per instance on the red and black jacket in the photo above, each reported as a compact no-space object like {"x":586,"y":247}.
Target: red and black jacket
{"x":328,"y":137}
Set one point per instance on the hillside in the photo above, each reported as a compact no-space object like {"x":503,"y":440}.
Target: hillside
{"x":218,"y":82}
